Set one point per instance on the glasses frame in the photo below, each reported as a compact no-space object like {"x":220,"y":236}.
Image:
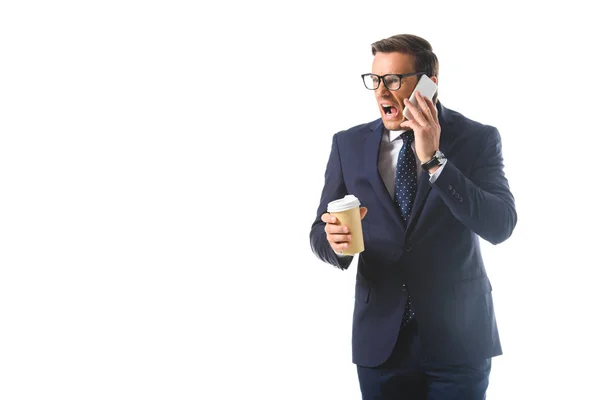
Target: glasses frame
{"x":381,"y":78}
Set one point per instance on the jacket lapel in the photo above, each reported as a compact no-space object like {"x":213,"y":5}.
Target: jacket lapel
{"x":423,"y":189}
{"x":372,"y":146}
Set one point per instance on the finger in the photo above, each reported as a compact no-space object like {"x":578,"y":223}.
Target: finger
{"x":332,"y":229}
{"x":338,"y":239}
{"x":432,"y":109}
{"x":424,"y":108}
{"x":338,"y":248}
{"x":328,"y":218}
{"x":410,"y":124}
{"x":416,"y":113}
{"x":363,"y":212}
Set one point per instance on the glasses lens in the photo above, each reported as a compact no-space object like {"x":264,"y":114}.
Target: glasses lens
{"x":371,"y":81}
{"x":392,"y":82}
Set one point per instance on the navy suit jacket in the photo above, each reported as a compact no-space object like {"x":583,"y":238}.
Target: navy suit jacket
{"x":436,"y":257}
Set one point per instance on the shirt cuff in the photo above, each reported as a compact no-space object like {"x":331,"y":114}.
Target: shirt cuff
{"x":433,"y":177}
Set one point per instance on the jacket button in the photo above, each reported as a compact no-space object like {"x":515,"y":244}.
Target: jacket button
{"x":453,"y":191}
{"x":408,"y":248}
{"x":460,"y":200}
{"x":449,"y":187}
{"x":403,"y":287}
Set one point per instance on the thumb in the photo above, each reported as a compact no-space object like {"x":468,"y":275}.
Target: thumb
{"x":363,"y":212}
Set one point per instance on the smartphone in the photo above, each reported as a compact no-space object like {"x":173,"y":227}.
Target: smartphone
{"x":426,"y":87}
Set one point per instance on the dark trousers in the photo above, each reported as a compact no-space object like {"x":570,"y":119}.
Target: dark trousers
{"x":406,"y":376}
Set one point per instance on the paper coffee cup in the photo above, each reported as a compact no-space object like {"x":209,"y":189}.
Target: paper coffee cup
{"x":347,"y":211}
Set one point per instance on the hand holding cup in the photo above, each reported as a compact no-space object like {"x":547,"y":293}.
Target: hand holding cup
{"x":343,"y":225}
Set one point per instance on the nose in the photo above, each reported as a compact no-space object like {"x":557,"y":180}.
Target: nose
{"x":382,"y":90}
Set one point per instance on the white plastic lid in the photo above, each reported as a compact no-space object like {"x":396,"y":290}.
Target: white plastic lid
{"x":349,"y":201}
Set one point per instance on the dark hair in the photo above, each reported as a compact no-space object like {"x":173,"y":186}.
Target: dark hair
{"x":425,"y":58}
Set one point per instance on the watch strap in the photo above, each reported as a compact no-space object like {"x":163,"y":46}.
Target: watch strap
{"x":435,"y":161}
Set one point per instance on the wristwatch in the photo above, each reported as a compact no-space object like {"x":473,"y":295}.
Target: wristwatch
{"x":437,"y":159}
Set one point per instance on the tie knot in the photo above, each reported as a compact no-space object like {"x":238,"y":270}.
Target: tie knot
{"x":408,"y":137}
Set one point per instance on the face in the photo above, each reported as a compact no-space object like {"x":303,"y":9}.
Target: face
{"x":391,"y":102}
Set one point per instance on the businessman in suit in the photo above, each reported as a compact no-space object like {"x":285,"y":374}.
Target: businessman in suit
{"x":430,"y":187}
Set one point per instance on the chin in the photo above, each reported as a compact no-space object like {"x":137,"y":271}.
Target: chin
{"x":393,"y":125}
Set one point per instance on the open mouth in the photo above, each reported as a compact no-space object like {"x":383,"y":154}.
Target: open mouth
{"x":389,"y":110}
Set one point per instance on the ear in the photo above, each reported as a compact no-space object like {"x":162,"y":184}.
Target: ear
{"x":434,"y":79}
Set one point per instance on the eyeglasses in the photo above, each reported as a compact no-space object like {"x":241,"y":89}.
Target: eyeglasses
{"x":391,"y":81}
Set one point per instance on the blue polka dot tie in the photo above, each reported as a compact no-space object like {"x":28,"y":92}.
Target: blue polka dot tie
{"x":404,"y":194}
{"x":406,"y":176}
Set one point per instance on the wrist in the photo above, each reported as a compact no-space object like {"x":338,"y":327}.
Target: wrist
{"x":428,"y":156}
{"x":438,"y":159}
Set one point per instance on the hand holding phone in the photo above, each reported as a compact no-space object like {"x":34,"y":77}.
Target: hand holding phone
{"x":426,"y":87}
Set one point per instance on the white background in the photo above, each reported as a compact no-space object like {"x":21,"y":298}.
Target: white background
{"x":161,"y":164}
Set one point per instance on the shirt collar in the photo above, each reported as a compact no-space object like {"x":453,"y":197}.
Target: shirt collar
{"x":396,"y":134}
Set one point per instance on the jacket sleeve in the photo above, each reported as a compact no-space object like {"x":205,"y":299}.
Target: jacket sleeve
{"x":483,"y":203}
{"x":333,"y":189}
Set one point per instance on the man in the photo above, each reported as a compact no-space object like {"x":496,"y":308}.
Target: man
{"x":424,"y":324}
